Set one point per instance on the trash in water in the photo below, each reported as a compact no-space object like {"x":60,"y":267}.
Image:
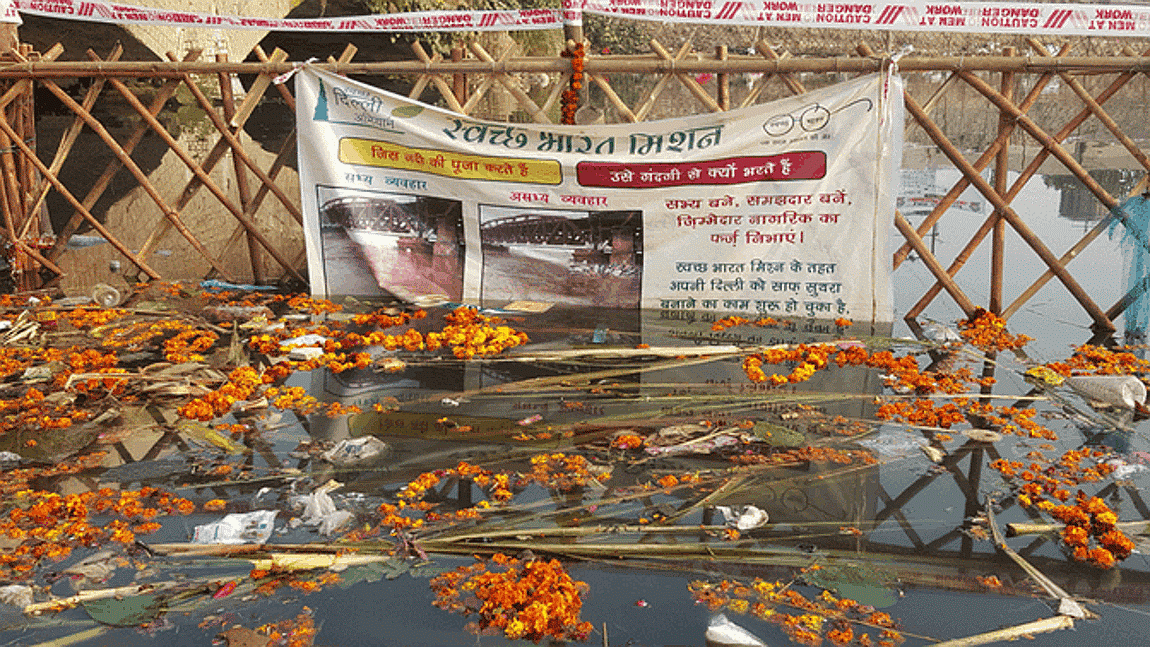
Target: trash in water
{"x":106,"y":295}
{"x":743,"y":518}
{"x":357,"y":451}
{"x":319,"y":509}
{"x":1116,"y":390}
{"x":16,"y":595}
{"x":721,"y":632}
{"x":238,"y":528}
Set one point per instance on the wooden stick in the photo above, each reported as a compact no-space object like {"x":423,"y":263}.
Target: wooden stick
{"x":229,"y":105}
{"x":981,"y":163}
{"x":251,"y":99}
{"x":1016,"y":632}
{"x":688,"y":81}
{"x":524,"y":101}
{"x":59,"y":186}
{"x":1015,"y":221}
{"x":104,"y":181}
{"x":135,"y":170}
{"x":445,"y":90}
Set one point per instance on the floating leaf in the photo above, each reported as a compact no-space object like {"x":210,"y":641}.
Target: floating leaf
{"x":127,"y":612}
{"x":207,"y":435}
{"x":778,"y":435}
{"x":862,"y":584}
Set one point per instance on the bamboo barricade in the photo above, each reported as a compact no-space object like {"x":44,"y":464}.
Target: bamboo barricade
{"x":461,"y":84}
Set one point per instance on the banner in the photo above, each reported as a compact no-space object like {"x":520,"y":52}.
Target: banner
{"x":778,"y":209}
{"x":1038,"y":19}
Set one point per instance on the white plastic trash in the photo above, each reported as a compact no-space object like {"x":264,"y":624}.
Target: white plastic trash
{"x":239,"y":528}
{"x":743,"y":518}
{"x":1118,"y":390}
{"x":721,"y":632}
{"x":106,"y":295}
{"x":364,"y":450}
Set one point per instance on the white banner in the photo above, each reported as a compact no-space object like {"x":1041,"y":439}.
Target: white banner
{"x":779,"y":209}
{"x":1039,"y":19}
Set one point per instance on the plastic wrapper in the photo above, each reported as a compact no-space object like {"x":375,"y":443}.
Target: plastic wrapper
{"x":239,"y":528}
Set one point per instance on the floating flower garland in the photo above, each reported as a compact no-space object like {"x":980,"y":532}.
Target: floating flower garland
{"x":523,"y":599}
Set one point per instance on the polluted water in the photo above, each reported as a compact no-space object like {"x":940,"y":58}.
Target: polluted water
{"x":197,"y":465}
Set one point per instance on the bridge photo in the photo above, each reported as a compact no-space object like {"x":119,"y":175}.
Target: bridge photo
{"x":591,"y":258}
{"x":409,"y":246}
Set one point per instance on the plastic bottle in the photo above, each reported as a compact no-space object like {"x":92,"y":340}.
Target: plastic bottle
{"x":105,"y":295}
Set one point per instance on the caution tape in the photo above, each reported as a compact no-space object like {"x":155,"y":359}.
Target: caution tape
{"x":503,"y":20}
{"x":916,"y":15}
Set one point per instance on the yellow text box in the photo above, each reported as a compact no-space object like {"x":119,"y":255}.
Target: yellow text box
{"x":369,"y":152}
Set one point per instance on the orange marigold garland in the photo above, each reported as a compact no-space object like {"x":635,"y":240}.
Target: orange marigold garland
{"x":528,"y":600}
{"x":570,"y":96}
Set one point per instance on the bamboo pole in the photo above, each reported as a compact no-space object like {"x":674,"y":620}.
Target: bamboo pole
{"x":68,"y":138}
{"x":59,"y":186}
{"x":238,"y":151}
{"x":441,"y":85}
{"x":136,"y":172}
{"x":1025,"y":630}
{"x":229,"y":105}
{"x":660,"y":85}
{"x":620,"y":106}
{"x":932,"y":263}
{"x":243,"y":112}
{"x":25,"y":172}
{"x":688,"y":81}
{"x":105,"y":180}
{"x":524,"y":101}
{"x":204,"y":178}
{"x":961,"y":185}
{"x":1001,"y":166}
{"x":723,"y":81}
{"x":1015,"y":221}
{"x":643,"y":64}
{"x":458,"y":81}
{"x":424,"y":79}
{"x":485,"y":86}
{"x":12,"y":137}
{"x":1096,"y":109}
{"x":18,"y":88}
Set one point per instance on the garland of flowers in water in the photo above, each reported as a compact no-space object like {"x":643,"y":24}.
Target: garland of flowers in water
{"x":576,"y":52}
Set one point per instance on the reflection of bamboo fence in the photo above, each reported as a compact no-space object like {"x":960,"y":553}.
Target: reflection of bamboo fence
{"x":27,"y":180}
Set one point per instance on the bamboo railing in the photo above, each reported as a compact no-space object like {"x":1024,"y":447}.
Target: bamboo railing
{"x":461,"y":83}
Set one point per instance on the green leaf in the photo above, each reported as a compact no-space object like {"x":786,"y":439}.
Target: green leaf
{"x":128,"y":612}
{"x":778,"y":435}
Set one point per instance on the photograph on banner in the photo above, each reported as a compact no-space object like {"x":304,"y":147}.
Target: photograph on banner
{"x":413,"y":244}
{"x":782,"y":208}
{"x":583,"y":258}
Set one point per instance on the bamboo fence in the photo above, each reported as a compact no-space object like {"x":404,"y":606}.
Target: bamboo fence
{"x":1013,"y":84}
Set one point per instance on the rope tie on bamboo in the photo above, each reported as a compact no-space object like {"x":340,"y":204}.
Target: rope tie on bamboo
{"x":295,"y":67}
{"x":12,"y":149}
